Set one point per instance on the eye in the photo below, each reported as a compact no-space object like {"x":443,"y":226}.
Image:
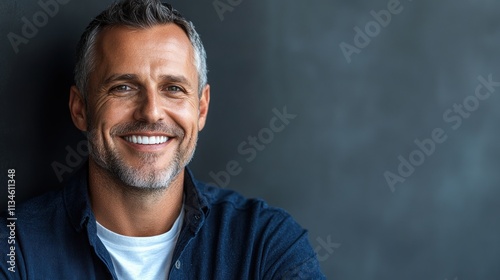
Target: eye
{"x":120,"y":88}
{"x":174,"y":89}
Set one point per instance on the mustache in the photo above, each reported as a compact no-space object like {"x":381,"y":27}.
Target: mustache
{"x":158,"y":127}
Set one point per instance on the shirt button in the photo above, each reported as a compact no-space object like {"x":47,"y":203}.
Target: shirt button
{"x":177,"y":264}
{"x":196,"y":217}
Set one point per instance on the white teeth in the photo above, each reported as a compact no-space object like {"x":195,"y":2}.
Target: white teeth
{"x":145,"y":140}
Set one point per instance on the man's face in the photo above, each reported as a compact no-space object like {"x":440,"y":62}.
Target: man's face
{"x":144,"y":112}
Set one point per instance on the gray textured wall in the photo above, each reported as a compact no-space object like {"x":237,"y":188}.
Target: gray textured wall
{"x":358,"y":117}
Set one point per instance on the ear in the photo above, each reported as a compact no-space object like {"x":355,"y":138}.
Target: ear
{"x":77,"y":109}
{"x":204,"y":104}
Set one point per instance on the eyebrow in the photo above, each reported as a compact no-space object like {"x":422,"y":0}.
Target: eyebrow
{"x":176,"y":79}
{"x":132,"y":77}
{"x":118,"y":77}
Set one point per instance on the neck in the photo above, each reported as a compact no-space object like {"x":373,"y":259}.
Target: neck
{"x":133,"y":212}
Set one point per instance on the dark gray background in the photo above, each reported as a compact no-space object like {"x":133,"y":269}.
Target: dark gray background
{"x":353,"y":121}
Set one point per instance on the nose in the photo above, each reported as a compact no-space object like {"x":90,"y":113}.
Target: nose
{"x":149,"y":108}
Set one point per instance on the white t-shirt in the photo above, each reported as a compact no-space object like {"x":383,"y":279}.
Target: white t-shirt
{"x":141,"y":258}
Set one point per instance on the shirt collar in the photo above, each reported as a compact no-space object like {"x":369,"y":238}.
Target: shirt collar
{"x":77,"y":201}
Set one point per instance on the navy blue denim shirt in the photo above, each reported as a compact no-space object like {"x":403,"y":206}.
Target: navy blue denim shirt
{"x":224,"y":236}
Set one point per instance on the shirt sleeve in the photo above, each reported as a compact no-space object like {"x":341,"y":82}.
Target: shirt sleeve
{"x":289,"y":254}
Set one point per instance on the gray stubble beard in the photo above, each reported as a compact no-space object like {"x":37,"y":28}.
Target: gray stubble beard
{"x":136,"y":178}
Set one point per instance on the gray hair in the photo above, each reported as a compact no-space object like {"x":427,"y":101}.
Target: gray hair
{"x":137,"y":14}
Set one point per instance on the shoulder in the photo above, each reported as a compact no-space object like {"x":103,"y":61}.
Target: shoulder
{"x":29,"y":225}
{"x":221,"y":199}
{"x":249,"y":215}
{"x":46,"y":214}
{"x":36,"y":218}
{"x":280,"y":245}
{"x":37,"y":208}
{"x":41,"y":205}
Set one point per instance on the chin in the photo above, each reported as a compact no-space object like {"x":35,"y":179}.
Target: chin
{"x":149,"y":175}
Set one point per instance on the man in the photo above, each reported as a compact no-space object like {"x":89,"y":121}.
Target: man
{"x":135,"y":211}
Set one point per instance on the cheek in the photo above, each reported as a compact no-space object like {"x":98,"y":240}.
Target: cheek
{"x":109,"y":111}
{"x":192,"y":113}
{"x":186,"y":116}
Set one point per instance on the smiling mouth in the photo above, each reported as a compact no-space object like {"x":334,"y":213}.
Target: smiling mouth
{"x":146,"y":140}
